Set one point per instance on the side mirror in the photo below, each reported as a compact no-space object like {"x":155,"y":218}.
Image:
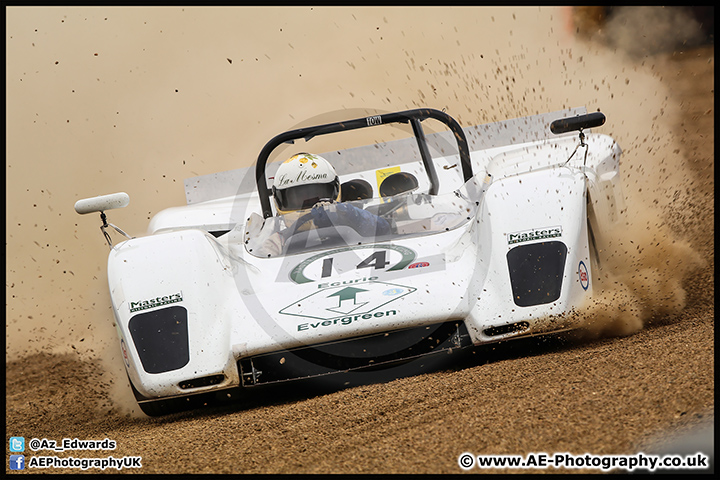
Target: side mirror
{"x":569,"y":124}
{"x":102,"y":203}
{"x":579,"y":122}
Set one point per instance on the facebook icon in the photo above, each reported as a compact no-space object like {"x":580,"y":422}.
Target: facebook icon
{"x":17,"y":462}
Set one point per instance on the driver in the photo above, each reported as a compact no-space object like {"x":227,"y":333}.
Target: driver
{"x":307,"y":181}
{"x":302,"y":181}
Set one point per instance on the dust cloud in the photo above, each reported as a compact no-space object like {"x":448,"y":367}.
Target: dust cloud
{"x":645,"y":256}
{"x":102,"y":100}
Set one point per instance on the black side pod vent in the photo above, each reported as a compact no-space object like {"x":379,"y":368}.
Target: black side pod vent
{"x":161,"y":339}
{"x":536,"y":272}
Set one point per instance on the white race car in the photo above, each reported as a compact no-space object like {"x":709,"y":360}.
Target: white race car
{"x":491,"y":237}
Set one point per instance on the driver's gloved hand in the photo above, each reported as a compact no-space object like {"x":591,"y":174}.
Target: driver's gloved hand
{"x":324,"y":214}
{"x":327,"y":214}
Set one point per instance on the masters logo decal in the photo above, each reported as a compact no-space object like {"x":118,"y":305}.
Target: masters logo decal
{"x":155,"y":302}
{"x":534,"y":234}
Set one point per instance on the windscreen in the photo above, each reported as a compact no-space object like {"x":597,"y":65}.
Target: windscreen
{"x":333,"y":225}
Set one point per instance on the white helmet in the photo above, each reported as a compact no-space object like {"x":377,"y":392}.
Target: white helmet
{"x":303,"y":180}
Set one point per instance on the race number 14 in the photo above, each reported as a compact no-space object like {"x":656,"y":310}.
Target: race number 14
{"x":376,"y":260}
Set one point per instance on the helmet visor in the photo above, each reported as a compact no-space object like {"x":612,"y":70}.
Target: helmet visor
{"x":301,"y":197}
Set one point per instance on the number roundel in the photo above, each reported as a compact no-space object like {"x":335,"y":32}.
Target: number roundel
{"x":326,"y":264}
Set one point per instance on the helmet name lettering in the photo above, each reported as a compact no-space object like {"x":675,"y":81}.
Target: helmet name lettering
{"x":302,"y":177}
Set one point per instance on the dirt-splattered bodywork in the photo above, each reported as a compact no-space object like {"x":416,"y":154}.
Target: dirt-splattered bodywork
{"x":495,"y":243}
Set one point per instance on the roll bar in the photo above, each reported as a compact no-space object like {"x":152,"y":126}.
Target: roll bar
{"x":414,"y":117}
